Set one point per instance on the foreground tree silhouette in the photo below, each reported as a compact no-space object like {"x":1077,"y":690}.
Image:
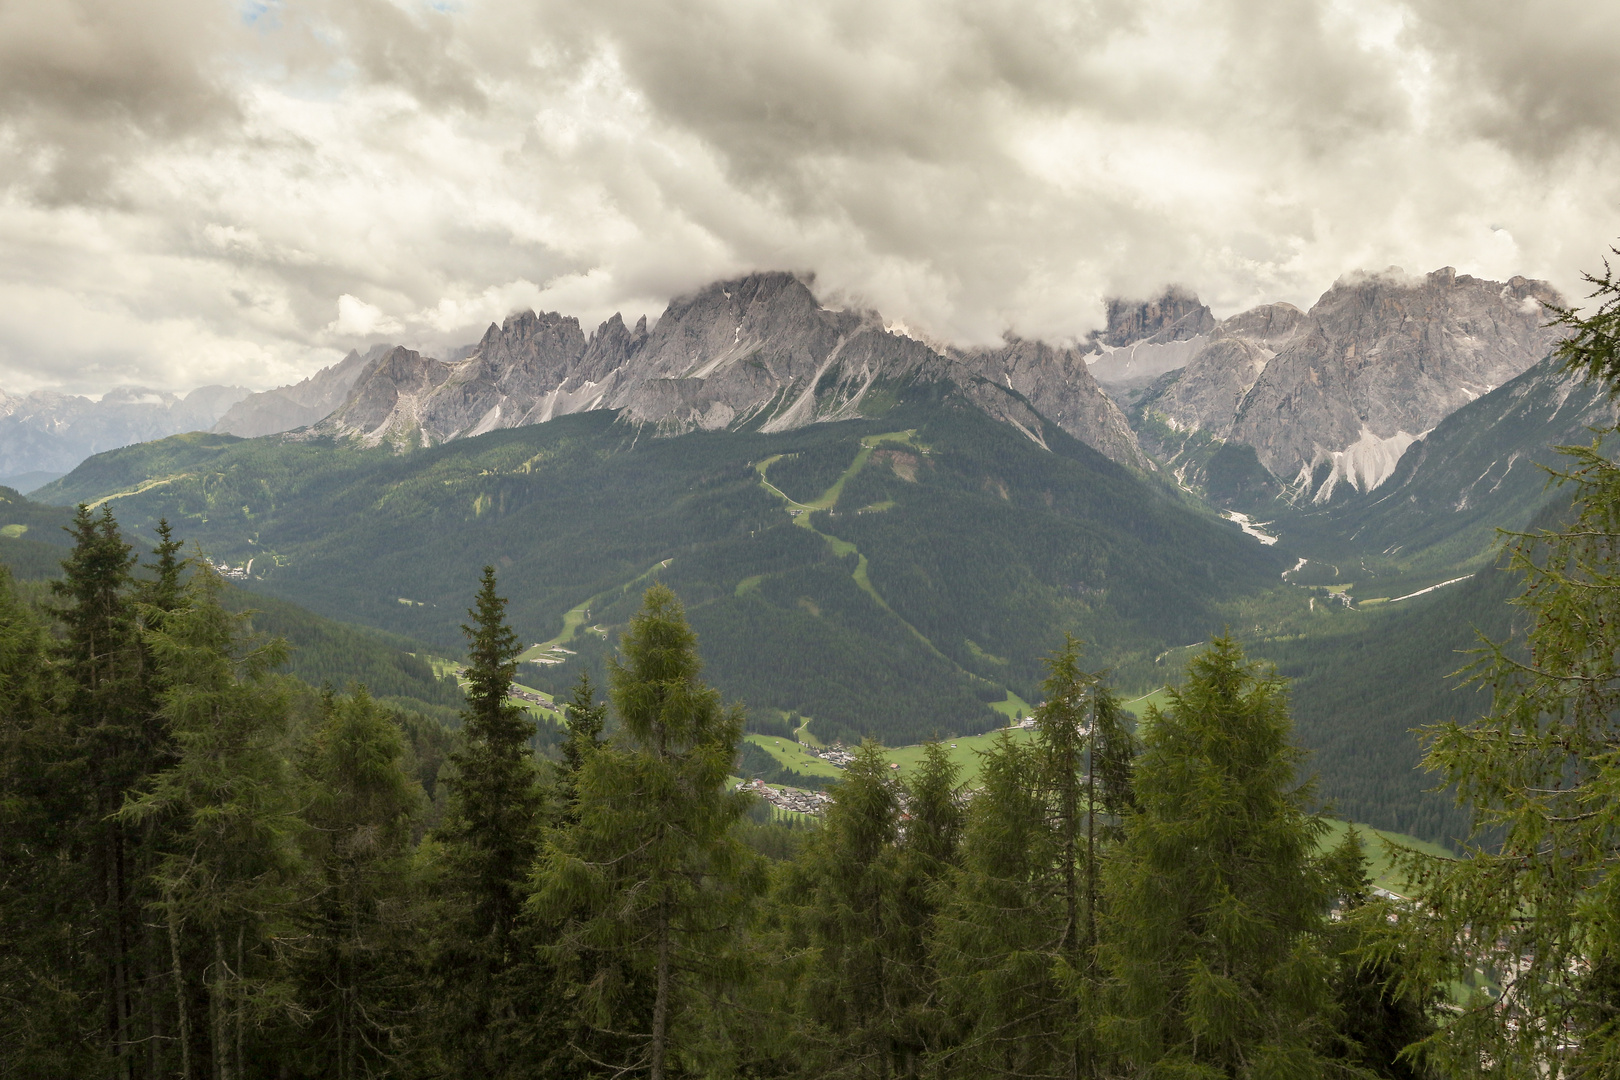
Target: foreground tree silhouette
{"x":647,"y":884}
{"x":231,"y":855}
{"x":1217,"y":898}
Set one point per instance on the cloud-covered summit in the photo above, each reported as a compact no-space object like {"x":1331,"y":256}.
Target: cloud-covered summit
{"x":194,"y":191}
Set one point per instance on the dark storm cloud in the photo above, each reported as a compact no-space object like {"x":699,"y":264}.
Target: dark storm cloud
{"x":1541,"y":78}
{"x":196,"y":190}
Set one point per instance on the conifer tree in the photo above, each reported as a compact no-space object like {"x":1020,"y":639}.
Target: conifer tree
{"x":1535,"y":905}
{"x":44,"y":1026}
{"x":1000,"y":930}
{"x":355,"y":973}
{"x":585,"y":719}
{"x":222,"y":884}
{"x":1080,"y":727}
{"x":847,"y":891}
{"x":487,"y":844}
{"x":648,"y":884}
{"x":930,"y":844}
{"x":1038,"y":832}
{"x":1383,"y":1011}
{"x":107,"y":710}
{"x":1216,"y":898}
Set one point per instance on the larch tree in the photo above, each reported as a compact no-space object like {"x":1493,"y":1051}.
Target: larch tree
{"x":648,"y":885}
{"x":223,"y":881}
{"x":1217,"y":898}
{"x":1535,"y":904}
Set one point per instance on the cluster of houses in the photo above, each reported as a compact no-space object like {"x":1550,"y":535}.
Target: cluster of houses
{"x":530,"y":696}
{"x":833,"y":755}
{"x":786,"y":798}
{"x":233,"y":573}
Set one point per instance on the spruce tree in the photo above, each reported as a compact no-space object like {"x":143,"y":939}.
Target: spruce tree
{"x":222,"y":883}
{"x":848,"y":898}
{"x":1000,"y":930}
{"x":585,"y":718}
{"x":487,"y":846}
{"x":355,"y":971}
{"x":1217,"y":898}
{"x":647,"y":885}
{"x":45,"y":1027}
{"x":107,"y":710}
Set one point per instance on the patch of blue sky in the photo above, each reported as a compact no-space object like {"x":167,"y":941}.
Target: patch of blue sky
{"x":261,"y":13}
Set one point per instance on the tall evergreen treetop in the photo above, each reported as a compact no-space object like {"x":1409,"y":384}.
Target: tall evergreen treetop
{"x":494,"y":823}
{"x":490,"y":836}
{"x":646,"y":880}
{"x":492,"y":720}
{"x":1217,"y":899}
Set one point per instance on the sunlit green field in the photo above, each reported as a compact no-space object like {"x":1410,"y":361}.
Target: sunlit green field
{"x":1381,"y":863}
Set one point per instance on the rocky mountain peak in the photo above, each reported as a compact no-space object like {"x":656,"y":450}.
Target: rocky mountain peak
{"x":757,"y":350}
{"x":1176,"y":315}
{"x":1336,"y":394}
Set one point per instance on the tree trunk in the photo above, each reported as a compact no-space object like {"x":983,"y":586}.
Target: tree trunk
{"x":216,"y":1012}
{"x":184,"y":1024}
{"x":660,"y":1024}
{"x":117,"y":973}
{"x":236,"y":996}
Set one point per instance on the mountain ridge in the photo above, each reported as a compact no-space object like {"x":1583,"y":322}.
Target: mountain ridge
{"x":756,"y":352}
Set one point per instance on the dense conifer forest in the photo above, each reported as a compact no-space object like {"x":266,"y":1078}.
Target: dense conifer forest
{"x":212,"y":869}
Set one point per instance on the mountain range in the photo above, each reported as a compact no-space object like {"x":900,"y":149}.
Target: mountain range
{"x":1328,"y":398}
{"x":44,"y":435}
{"x":880,"y":535}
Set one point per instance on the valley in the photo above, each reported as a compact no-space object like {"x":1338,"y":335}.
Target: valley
{"x":890,"y":551}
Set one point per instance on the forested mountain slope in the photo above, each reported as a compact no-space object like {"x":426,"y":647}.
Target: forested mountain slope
{"x":1362,"y":687}
{"x":890,"y":574}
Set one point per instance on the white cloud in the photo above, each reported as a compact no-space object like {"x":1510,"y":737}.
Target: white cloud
{"x":191,"y":195}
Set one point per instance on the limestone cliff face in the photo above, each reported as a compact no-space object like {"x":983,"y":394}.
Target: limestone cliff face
{"x":758,"y":351}
{"x":295,"y":406}
{"x":1208,"y":393}
{"x":1336,"y":395}
{"x":1058,"y":383}
{"x":1144,"y":340}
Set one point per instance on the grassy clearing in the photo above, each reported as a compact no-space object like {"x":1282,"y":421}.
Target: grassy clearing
{"x":1139,"y":706}
{"x":965,"y":752}
{"x":1381,"y":864}
{"x":793,"y":756}
{"x":1013,"y":707}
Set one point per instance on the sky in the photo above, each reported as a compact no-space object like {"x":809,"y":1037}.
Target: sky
{"x":240,"y":191}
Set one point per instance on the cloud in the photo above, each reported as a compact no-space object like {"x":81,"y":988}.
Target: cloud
{"x":195,"y":191}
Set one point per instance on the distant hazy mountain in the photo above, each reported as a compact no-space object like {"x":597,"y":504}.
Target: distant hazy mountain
{"x":299,"y":405}
{"x":1336,"y":395}
{"x":759,"y":353}
{"x":48,"y":434}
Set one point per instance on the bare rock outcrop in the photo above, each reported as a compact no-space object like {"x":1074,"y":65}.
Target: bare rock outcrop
{"x":1337,"y":395}
{"x":298,"y":405}
{"x":760,"y":351}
